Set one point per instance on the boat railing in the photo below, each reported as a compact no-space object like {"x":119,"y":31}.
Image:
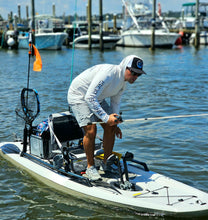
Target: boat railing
{"x":144,"y":21}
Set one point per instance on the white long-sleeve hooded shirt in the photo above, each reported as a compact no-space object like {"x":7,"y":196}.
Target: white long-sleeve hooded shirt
{"x":98,"y":83}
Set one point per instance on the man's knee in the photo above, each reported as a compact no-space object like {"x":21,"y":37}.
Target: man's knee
{"x":90,"y":131}
{"x":110,"y":129}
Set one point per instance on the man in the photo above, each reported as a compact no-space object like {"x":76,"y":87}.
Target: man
{"x":86,"y":97}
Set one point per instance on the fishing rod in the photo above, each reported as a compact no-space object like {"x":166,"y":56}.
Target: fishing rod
{"x":119,"y":118}
{"x":165,"y":117}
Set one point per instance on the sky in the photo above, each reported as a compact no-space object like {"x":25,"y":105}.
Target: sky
{"x":70,"y":6}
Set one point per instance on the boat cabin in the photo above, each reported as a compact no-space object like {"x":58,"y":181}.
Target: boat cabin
{"x":188,"y":16}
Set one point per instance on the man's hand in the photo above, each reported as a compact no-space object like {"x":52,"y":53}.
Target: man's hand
{"x":113,"y":119}
{"x":118,"y":133}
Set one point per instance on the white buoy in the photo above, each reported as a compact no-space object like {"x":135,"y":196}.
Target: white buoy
{"x":10,"y":42}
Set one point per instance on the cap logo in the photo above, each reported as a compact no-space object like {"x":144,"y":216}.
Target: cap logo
{"x":139,"y":64}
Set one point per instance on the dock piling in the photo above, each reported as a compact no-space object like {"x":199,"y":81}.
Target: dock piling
{"x":89,"y":24}
{"x":33,"y":20}
{"x":101,"y":24}
{"x":153,"y":26}
{"x":197,"y":28}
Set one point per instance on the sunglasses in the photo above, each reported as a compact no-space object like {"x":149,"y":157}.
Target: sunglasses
{"x":134,"y":73}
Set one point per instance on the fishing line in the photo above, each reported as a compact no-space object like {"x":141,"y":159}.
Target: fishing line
{"x":73,"y":44}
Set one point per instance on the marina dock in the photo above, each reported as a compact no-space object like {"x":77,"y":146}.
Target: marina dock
{"x":110,"y":24}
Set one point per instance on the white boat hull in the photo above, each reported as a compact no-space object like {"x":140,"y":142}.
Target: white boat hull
{"x":109,"y":42}
{"x":203,"y":38}
{"x":134,"y":38}
{"x":51,"y":41}
{"x":154,"y":194}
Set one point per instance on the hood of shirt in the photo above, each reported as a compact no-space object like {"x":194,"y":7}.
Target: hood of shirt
{"x":124,"y":63}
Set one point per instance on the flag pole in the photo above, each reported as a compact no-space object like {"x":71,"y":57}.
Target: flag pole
{"x":29,"y":54}
{"x":26,"y":130}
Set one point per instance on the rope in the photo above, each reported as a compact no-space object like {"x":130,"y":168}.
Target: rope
{"x":74,"y":29}
{"x":50,"y":125}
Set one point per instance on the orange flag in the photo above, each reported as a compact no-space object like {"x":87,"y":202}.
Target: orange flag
{"x":37,"y":65}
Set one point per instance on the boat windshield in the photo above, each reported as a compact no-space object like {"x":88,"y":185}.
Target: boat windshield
{"x":146,"y":23}
{"x":189,"y":10}
{"x":139,"y":15}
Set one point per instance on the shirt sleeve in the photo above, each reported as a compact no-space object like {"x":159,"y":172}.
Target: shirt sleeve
{"x":115,"y":101}
{"x":95,"y":89}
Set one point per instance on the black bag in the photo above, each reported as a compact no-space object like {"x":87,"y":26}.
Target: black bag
{"x":65,"y":126}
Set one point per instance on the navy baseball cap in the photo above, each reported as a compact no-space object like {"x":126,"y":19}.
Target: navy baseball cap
{"x":136,"y":65}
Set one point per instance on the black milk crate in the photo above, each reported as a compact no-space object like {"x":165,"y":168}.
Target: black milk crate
{"x":40,"y":147}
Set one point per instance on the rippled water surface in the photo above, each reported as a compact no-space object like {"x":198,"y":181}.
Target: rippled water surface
{"x":176,"y":84}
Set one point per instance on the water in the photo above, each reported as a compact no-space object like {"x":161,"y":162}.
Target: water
{"x":176,"y":84}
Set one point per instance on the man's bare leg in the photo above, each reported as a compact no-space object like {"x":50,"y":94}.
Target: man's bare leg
{"x":89,"y":143}
{"x":108,"y":140}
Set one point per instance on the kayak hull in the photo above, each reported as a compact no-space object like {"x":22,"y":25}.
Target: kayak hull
{"x":154,"y":193}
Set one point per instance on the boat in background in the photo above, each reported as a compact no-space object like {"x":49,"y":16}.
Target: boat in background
{"x":138,"y":24}
{"x":81,"y":39}
{"x":49,"y":33}
{"x":188,"y":18}
{"x":203,"y":38}
{"x":109,"y":41}
{"x":10,"y":39}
